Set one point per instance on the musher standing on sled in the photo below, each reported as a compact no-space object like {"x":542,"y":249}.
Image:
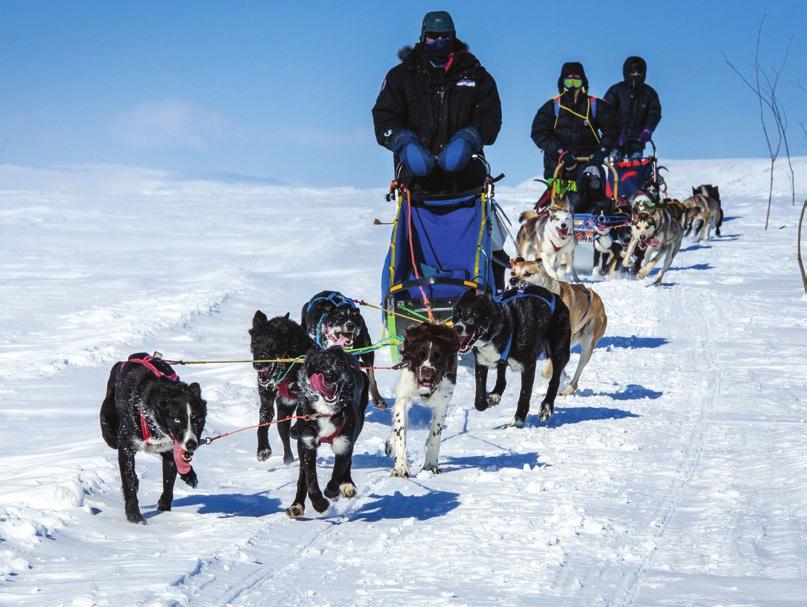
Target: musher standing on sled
{"x":436,"y":108}
{"x":574,"y":125}
{"x":637,"y":106}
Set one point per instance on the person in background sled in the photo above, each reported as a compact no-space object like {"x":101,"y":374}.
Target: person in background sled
{"x":573,"y":125}
{"x":637,"y":106}
{"x":436,"y":109}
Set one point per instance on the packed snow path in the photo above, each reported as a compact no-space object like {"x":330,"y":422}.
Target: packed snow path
{"x":675,"y":476}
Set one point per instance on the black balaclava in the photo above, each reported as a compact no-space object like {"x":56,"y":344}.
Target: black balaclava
{"x":634,"y":64}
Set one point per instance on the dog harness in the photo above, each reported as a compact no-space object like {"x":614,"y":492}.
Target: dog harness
{"x":336,"y":299}
{"x":146,"y":362}
{"x":328,"y":440}
{"x":520,"y":293}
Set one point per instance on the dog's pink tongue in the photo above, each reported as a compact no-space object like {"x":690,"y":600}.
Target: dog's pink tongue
{"x":183,"y":467}
{"x":320,"y":385}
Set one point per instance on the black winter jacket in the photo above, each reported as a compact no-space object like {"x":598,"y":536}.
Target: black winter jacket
{"x":568,"y":132}
{"x":638,"y":109}
{"x":435,"y":104}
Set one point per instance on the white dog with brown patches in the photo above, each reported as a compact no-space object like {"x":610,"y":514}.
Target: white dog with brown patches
{"x":429,"y":375}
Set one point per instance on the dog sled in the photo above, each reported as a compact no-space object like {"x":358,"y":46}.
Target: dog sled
{"x":441,"y":245}
{"x":631,"y":175}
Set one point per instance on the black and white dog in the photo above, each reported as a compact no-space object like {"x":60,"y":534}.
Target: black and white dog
{"x":514,"y":330}
{"x":147,"y":408}
{"x":334,"y":396}
{"x":331,"y":319}
{"x":429,"y":362}
{"x":278,"y":338}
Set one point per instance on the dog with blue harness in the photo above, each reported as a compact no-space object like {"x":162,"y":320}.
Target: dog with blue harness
{"x":331,"y":319}
{"x":513,"y":330}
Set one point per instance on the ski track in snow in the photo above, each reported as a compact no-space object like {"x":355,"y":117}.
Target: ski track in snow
{"x":675,"y":476}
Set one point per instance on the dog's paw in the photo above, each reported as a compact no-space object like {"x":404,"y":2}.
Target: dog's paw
{"x":569,"y":390}
{"x":517,"y":423}
{"x":134,"y":516}
{"x":401,"y":472}
{"x":596,"y":272}
{"x":295,"y":510}
{"x":331,"y":491}
{"x":433,"y":468}
{"x":164,"y":505}
{"x":481,"y":405}
{"x":347,"y":490}
{"x":264,"y":454}
{"x":190,"y":478}
{"x":320,"y":503}
{"x":380,"y":404}
{"x":288,"y":458}
{"x":546,"y":412}
{"x":494,"y":399}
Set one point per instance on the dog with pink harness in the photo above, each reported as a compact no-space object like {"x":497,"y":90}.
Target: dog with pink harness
{"x":147,"y":408}
{"x":333,"y":399}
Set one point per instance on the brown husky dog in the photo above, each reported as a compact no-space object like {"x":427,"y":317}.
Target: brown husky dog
{"x":586,"y":311}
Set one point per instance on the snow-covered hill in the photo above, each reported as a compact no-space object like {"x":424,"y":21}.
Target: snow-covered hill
{"x":675,"y":476}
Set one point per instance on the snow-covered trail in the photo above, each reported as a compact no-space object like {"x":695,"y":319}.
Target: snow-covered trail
{"x":674,"y":476}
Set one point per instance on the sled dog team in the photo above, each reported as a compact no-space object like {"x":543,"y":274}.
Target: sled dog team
{"x":304,"y":370}
{"x":651,"y":231}
{"x":321,"y":391}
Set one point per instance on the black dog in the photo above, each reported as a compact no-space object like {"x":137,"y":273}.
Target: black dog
{"x":331,"y":319}
{"x":147,"y":408}
{"x":334,"y":393}
{"x":279,"y":338}
{"x":514,"y":330}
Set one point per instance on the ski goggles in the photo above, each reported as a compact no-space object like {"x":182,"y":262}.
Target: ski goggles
{"x":572,"y":83}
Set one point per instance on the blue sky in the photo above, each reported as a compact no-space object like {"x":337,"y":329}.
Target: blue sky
{"x":284,"y":90}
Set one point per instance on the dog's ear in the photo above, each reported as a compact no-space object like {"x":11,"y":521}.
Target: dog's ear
{"x":259,"y":319}
{"x":196,"y":390}
{"x":286,"y":316}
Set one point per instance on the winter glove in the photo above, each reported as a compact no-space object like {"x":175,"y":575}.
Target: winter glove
{"x":414,"y":156}
{"x":645,"y":135}
{"x":456,"y":154}
{"x":568,"y":160}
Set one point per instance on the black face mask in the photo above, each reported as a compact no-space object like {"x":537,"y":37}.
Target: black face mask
{"x":438,"y":51}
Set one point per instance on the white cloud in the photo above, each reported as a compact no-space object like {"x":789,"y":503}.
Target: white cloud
{"x":173,"y":123}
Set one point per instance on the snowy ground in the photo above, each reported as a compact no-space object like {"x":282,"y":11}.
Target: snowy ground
{"x":675,"y":476}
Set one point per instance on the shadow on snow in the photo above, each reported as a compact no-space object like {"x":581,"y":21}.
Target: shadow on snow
{"x":232,"y":504}
{"x":629,"y":392}
{"x":574,"y":415}
{"x":632,"y":342}
{"x":432,"y":504}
